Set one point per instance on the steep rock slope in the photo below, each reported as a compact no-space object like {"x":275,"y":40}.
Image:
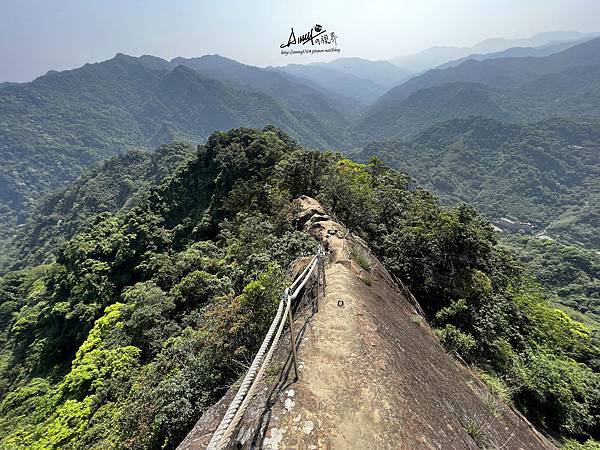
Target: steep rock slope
{"x":372,"y":373}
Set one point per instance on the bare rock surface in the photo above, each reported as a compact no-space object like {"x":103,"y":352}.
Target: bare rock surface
{"x":372,"y":373}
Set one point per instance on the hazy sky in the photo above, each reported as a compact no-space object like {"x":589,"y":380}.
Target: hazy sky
{"x":36,"y":35}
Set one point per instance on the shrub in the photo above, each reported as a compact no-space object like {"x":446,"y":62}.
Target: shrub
{"x":455,"y":340}
{"x":360,"y":259}
{"x":590,"y":444}
{"x":496,"y":386}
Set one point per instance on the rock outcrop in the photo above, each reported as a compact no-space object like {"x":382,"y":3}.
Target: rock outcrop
{"x":372,"y":373}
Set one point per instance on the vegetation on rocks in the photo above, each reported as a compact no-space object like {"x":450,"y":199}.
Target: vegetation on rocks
{"x":149,"y":313}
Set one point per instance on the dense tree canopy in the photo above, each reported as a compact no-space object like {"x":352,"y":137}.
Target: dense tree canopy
{"x":149,"y":312}
{"x":543,"y":172}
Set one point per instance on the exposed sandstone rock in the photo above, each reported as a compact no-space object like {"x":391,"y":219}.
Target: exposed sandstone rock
{"x":309,"y":207}
{"x":372,"y":376}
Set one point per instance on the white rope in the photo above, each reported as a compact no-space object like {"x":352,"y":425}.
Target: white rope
{"x":248,"y":380}
{"x":240,"y":402}
{"x":242,"y":409}
{"x":302,"y":274}
{"x":311,"y":268}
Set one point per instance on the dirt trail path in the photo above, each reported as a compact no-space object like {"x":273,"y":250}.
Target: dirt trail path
{"x":335,"y":404}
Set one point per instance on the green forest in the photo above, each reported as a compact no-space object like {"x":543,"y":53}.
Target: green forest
{"x":144,"y":248}
{"x":55,"y":127}
{"x":546,"y":173}
{"x":153,"y":303}
{"x":569,"y":274}
{"x":111,"y":186}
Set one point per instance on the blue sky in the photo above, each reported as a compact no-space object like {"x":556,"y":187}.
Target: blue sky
{"x":36,"y":35}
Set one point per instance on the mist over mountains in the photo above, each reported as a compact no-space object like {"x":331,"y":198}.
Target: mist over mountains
{"x":149,"y":216}
{"x":59,"y":124}
{"x":563,"y":84}
{"x":436,"y":56}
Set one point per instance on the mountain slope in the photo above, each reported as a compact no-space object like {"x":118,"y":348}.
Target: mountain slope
{"x":569,"y":273}
{"x":372,"y":372}
{"x":146,"y":315}
{"x":362,"y":90}
{"x":290,"y":90}
{"x":112,"y":186}
{"x":54,"y":127}
{"x":436,"y":56}
{"x":565,"y":84}
{"x":382,"y":73}
{"x":517,"y":52}
{"x":437,"y":104}
{"x":502,"y":72}
{"x":543,"y":172}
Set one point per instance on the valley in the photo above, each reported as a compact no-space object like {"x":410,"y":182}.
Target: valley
{"x":149,"y":217}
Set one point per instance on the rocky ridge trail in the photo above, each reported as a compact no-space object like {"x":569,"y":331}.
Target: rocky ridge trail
{"x":372,"y":372}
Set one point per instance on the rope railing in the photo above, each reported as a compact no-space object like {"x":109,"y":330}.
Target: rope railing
{"x":240,"y":402}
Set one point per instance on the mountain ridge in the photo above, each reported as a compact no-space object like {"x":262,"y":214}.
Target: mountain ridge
{"x":65,"y":121}
{"x":534,"y":172}
{"x":564,"y":84}
{"x":436,"y":56}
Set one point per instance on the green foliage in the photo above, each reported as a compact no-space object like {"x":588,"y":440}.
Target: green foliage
{"x":572,"y":444}
{"x":497,"y":386}
{"x":360,"y":259}
{"x":569,"y":273}
{"x":543,"y":172}
{"x":114,"y":185}
{"x":455,"y":340}
{"x":453,"y":311}
{"x":148,"y":313}
{"x":93,"y":364}
{"x":475,"y":428}
{"x":55,"y":127}
{"x":558,"y":392}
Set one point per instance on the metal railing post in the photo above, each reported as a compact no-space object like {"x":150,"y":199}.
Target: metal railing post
{"x":292,"y":338}
{"x":323,"y":272}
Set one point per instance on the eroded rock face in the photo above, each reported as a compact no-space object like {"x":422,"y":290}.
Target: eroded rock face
{"x":313,"y":219}
{"x":372,"y":373}
{"x":309,"y":208}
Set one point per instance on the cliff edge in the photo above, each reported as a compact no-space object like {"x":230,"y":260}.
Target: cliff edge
{"x":372,"y":372}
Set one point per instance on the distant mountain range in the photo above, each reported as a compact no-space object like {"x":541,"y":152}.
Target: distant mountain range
{"x":436,"y":56}
{"x":518,"y":52}
{"x":381,"y":72}
{"x":113,"y":185}
{"x":565,"y":84}
{"x":361,"y":90}
{"x":57,"y":125}
{"x":547,"y":172}
{"x":53,"y":128}
{"x":355,"y":78}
